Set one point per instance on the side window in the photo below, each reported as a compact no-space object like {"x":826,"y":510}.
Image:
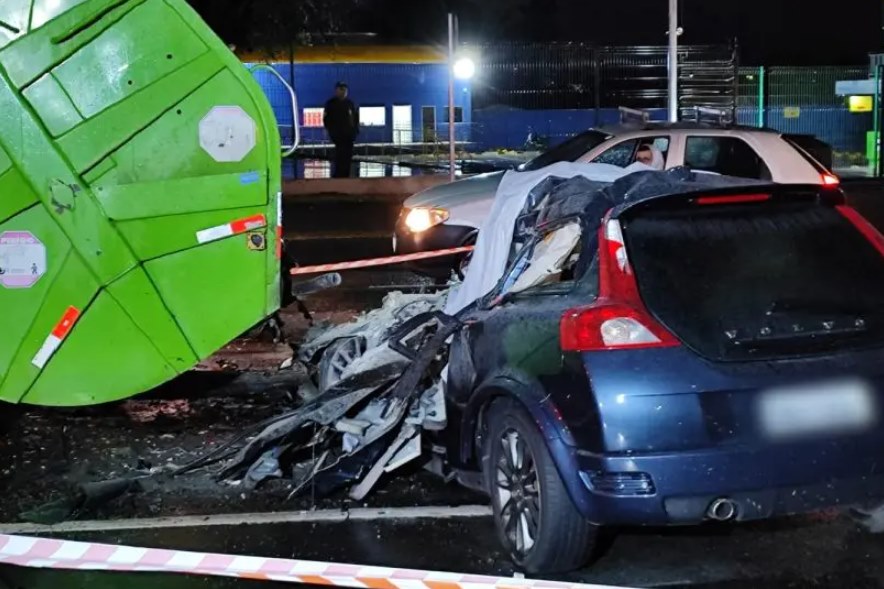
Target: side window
{"x":729,"y":156}
{"x":621,"y":154}
{"x":548,"y":261}
{"x":624,"y":153}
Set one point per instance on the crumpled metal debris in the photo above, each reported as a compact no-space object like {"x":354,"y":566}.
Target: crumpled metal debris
{"x":368,"y":423}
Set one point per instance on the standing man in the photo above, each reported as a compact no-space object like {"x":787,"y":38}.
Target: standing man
{"x":341,"y":120}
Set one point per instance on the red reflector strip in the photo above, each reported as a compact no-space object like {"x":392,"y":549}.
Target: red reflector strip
{"x":249,"y":223}
{"x":862,"y":224}
{"x":728,"y":200}
{"x":232,"y":228}
{"x":56,"y":337}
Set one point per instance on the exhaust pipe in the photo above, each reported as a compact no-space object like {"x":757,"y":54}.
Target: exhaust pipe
{"x":722,"y":510}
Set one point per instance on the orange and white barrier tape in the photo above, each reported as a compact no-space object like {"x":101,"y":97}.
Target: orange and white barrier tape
{"x":232,"y":228}
{"x":46,"y":553}
{"x":55,"y":338}
{"x":388,"y":261}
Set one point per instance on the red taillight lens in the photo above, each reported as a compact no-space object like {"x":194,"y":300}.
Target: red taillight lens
{"x":732,"y":199}
{"x":611,"y":327}
{"x":862,"y":224}
{"x":831,"y":180}
{"x":618,"y":319}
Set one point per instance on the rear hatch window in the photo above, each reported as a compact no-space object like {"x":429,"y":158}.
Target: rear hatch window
{"x":814,"y":151}
{"x":759,"y":281}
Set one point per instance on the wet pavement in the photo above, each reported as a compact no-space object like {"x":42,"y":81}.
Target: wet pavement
{"x":788,"y":553}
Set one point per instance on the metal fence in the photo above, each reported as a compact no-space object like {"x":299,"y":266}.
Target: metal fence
{"x":803,"y":100}
{"x":580,"y":76}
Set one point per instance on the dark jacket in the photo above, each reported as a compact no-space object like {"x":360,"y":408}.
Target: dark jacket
{"x":341,"y":119}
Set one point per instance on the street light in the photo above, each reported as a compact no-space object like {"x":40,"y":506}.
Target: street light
{"x":464,"y":68}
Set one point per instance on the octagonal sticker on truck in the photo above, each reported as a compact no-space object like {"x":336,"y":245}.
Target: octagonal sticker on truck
{"x":228,"y":134}
{"x":22,"y":259}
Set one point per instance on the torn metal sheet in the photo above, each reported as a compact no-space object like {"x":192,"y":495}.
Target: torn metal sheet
{"x":375,"y":325}
{"x":359,"y":492}
{"x":549,"y":257}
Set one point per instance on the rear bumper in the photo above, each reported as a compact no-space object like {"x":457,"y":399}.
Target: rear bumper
{"x":763,"y":483}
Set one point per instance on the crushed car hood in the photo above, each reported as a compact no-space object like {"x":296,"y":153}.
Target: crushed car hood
{"x":468,"y":190}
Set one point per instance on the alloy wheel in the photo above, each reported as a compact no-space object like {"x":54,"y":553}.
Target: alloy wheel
{"x":518,"y":492}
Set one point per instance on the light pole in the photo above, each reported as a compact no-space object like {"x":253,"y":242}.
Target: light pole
{"x":673,"y":61}
{"x":452,"y":33}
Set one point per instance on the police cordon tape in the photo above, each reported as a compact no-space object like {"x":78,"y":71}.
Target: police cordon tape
{"x":374,"y":262}
{"x":45,"y":553}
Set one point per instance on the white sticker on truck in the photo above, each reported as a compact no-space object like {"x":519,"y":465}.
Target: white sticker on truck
{"x":22,"y":259}
{"x":228,"y":134}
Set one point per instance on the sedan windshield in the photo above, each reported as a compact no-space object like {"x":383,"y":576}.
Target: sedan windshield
{"x":569,"y":151}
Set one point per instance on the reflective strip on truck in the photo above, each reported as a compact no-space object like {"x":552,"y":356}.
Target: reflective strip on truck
{"x":56,"y":337}
{"x":232,"y":228}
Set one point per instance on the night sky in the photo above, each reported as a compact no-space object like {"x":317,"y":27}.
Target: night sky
{"x":771,"y":32}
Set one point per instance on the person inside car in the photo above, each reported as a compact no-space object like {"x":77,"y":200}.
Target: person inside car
{"x":650,"y":156}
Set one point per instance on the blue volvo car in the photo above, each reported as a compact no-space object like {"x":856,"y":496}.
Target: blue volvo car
{"x":706,"y":356}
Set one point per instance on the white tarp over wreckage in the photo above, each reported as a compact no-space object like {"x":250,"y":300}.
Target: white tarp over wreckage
{"x":496,"y":234}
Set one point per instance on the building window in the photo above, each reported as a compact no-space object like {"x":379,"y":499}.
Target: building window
{"x":373,"y":116}
{"x":313,"y":117}
{"x":458,"y":114}
{"x":317,"y":169}
{"x":371,"y":170}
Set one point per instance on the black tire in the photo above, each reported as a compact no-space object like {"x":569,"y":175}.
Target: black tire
{"x":562,"y":539}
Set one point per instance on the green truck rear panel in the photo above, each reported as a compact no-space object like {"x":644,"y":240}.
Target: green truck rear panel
{"x":139,"y":198}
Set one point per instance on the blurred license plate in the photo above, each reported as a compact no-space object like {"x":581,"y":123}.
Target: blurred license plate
{"x":829,"y":408}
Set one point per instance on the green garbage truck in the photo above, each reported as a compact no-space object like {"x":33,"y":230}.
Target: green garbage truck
{"x":139,"y":198}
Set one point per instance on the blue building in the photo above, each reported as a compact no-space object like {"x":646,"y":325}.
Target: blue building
{"x":402,"y":92}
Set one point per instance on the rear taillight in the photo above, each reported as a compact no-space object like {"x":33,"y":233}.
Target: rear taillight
{"x":734,"y":199}
{"x":831,"y":180}
{"x":618,"y":319}
{"x":611,"y":327}
{"x":862,"y":224}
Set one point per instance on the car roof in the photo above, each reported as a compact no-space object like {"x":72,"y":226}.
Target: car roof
{"x":623,"y":128}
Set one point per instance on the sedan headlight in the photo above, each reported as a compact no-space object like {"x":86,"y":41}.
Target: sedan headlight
{"x":420,"y":219}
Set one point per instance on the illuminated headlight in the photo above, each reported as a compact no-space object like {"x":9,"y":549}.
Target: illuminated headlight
{"x":420,"y":219}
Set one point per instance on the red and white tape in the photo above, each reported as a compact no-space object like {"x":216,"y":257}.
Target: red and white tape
{"x":232,"y":228}
{"x":388,"y":261}
{"x":55,"y":338}
{"x":46,"y":553}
